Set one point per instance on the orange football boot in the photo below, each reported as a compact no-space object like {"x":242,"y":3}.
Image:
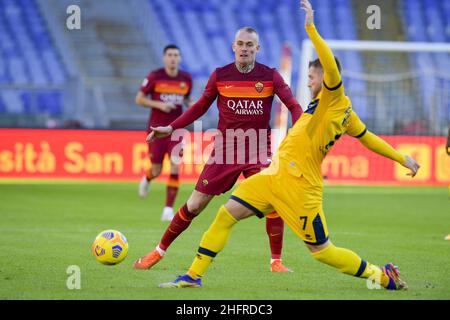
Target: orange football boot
{"x":148,"y":261}
{"x":277,"y":266}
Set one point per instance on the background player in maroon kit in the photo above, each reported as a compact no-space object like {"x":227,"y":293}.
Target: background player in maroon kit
{"x":164,"y":91}
{"x":245,"y":90}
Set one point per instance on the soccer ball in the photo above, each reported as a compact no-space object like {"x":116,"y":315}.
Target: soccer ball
{"x":110,"y":247}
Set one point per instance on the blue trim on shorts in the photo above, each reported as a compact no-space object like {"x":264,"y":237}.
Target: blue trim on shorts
{"x":317,"y":243}
{"x":319,"y":230}
{"x":207,"y":252}
{"x":258,"y":213}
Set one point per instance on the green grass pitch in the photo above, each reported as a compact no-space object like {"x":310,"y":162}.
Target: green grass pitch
{"x":46,"y":227}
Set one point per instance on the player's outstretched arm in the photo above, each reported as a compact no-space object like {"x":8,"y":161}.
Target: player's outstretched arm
{"x":378,"y":145}
{"x":199,"y":108}
{"x":283,"y":92}
{"x":332,"y":77}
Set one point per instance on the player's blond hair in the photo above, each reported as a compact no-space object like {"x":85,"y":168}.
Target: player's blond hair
{"x":248,"y":30}
{"x":317,"y":64}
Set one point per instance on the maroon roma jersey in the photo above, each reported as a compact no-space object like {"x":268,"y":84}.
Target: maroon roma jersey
{"x":244,"y":101}
{"x":162,"y":87}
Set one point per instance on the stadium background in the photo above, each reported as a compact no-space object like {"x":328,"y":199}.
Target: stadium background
{"x":53,"y":77}
{"x":67,"y":113}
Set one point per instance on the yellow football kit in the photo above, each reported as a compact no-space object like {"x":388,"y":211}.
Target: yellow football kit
{"x":293,"y":184}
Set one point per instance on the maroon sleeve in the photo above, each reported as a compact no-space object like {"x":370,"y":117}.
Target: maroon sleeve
{"x":283,"y":92}
{"x":190,"y":86}
{"x":148,"y":85}
{"x":200,"y":107}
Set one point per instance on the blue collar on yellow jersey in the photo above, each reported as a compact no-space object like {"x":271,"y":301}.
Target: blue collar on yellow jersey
{"x":312,"y":106}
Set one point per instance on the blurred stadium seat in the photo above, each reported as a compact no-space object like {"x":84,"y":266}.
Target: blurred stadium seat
{"x":112,"y":53}
{"x":429,"y":21}
{"x":194,"y":26}
{"x":29,"y":64}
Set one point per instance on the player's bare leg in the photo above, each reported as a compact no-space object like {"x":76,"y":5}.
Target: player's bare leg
{"x":213,"y":241}
{"x":348,"y":262}
{"x":181,"y":221}
{"x":171,"y":192}
{"x":151,"y":174}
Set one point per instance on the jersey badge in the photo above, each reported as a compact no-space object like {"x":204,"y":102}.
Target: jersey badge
{"x":259,"y":87}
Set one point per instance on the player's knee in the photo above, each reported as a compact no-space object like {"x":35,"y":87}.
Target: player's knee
{"x":174,"y":168}
{"x":237,"y":210}
{"x":195,"y":206}
{"x":156,"y":171}
{"x":315,"y":248}
{"x":197,"y":202}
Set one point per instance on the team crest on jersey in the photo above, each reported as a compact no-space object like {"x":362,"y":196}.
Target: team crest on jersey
{"x":205,"y":182}
{"x":183,"y":85}
{"x":259,"y":87}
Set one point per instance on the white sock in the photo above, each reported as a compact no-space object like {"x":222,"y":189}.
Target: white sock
{"x":160,"y":251}
{"x":273,"y":260}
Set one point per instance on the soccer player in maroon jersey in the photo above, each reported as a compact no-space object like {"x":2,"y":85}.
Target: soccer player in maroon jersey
{"x":164,"y":91}
{"x":244,"y":90}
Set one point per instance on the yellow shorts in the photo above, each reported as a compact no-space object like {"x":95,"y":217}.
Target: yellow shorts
{"x":297,"y":202}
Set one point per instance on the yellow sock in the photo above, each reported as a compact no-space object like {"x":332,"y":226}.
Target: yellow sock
{"x":213,"y":241}
{"x":348,"y":262}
